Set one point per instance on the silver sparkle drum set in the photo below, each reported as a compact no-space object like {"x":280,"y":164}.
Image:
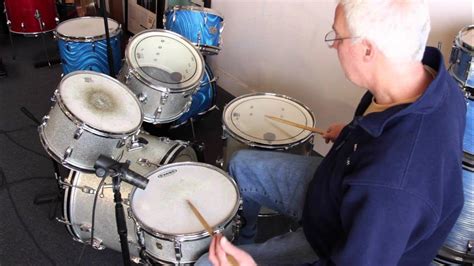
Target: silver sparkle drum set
{"x":163,"y":80}
{"x":459,"y":246}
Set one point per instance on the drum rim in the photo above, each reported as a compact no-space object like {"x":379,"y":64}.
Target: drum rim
{"x":61,"y":36}
{"x":158,"y":85}
{"x":447,"y":251}
{"x":460,"y":43}
{"x":261,"y":145}
{"x":187,"y":236}
{"x":197,"y":8}
{"x":81,"y":124}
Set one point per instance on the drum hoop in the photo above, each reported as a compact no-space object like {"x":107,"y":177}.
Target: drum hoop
{"x":140,"y":75}
{"x":61,"y":36}
{"x":68,"y":199}
{"x":261,"y":145}
{"x":84,"y":125}
{"x":462,"y":45}
{"x":198,"y":9}
{"x":451,"y":252}
{"x":468,"y":161}
{"x":187,"y":236}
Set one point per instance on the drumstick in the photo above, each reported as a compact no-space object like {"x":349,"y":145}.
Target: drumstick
{"x":284,"y":121}
{"x":208,"y":228}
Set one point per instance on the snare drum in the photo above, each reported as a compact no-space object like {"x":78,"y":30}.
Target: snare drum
{"x":203,"y":99}
{"x":245,"y":125}
{"x":460,"y":241}
{"x":202,"y":26}
{"x":82,"y":44}
{"x":92,"y":114}
{"x":81,"y":189}
{"x":461,"y":60}
{"x":170,"y":231}
{"x":31,"y":16}
{"x":163,"y":69}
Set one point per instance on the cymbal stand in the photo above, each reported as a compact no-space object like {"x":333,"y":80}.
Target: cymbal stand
{"x":38,"y":17}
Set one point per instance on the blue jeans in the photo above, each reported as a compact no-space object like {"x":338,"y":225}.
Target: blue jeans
{"x":278,"y":181}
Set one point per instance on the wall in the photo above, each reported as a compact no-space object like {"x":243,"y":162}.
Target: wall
{"x":277,"y":46}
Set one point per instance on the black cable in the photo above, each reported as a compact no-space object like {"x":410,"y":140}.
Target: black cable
{"x":5,"y":182}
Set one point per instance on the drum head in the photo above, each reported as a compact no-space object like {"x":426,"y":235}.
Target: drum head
{"x":244,"y":118}
{"x":165,"y":59}
{"x":83,"y":28}
{"x":100,"y":102}
{"x":466,"y":37}
{"x":162,"y":206}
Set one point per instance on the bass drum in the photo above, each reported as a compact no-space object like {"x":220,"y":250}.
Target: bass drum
{"x":146,"y":153}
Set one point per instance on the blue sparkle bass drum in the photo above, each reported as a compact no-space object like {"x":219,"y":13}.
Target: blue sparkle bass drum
{"x":82,"y":44}
{"x":203,"y":101}
{"x":201,"y":26}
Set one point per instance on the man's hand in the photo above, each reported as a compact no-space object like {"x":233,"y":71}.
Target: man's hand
{"x":333,"y":132}
{"x":221,"y":249}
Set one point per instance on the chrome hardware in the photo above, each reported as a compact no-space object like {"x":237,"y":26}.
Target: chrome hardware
{"x":177,"y":250}
{"x":22,"y":25}
{"x":53,"y":98}
{"x":85,"y":227}
{"x":470,"y":246}
{"x":78,"y":132}
{"x":158,"y":111}
{"x":68,"y":153}
{"x":135,"y":144}
{"x":101,"y":195}
{"x":96,"y":244}
{"x":85,"y":189}
{"x":220,"y":162}
{"x":63,"y":221}
{"x":164,"y":97}
{"x":159,"y":246}
{"x":45,"y":119}
{"x":120,"y":143}
{"x":142,"y":98}
{"x":146,"y":163}
{"x":57,"y":20}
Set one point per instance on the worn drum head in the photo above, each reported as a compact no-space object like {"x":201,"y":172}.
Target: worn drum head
{"x":162,"y":209}
{"x":165,"y":59}
{"x":86,"y":28}
{"x":244,"y":119}
{"x":99,"y":102}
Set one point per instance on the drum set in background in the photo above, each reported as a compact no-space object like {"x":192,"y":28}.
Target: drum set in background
{"x":163,"y":79}
{"x":459,"y":246}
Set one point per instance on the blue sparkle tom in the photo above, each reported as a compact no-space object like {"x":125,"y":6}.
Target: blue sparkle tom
{"x":203,"y":101}
{"x":83,"y":46}
{"x":201,"y":26}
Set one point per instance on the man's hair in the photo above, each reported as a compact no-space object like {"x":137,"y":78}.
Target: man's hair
{"x":399,"y":28}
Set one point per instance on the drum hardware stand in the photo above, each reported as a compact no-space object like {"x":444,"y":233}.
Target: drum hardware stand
{"x":9,"y":23}
{"x":54,"y":197}
{"x":107,"y":38}
{"x":40,"y":22}
{"x":105,"y":166}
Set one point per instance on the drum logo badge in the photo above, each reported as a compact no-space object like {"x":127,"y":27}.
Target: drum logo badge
{"x":213,"y":30}
{"x":165,"y":174}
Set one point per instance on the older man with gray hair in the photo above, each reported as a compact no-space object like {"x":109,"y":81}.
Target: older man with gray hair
{"x":390,"y":189}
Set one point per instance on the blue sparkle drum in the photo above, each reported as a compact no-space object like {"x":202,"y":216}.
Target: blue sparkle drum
{"x":83,"y":46}
{"x":459,"y":245}
{"x":202,"y":26}
{"x":203,"y":100}
{"x":461,"y":59}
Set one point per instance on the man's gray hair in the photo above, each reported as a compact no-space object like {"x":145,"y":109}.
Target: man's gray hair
{"x":399,"y":28}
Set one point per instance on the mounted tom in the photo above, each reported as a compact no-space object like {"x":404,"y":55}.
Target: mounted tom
{"x":163,"y":69}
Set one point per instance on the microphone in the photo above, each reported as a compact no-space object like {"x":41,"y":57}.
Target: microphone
{"x":106,"y":165}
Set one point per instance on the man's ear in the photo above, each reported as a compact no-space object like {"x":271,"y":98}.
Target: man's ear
{"x":369,"y":53}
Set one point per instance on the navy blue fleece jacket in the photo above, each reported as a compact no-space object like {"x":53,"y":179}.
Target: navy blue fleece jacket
{"x":390,"y":189}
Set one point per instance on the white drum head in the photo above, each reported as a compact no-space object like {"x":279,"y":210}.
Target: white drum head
{"x":100,"y":102}
{"x":467,"y":37}
{"x":244,"y":118}
{"x":86,"y":27}
{"x":162,"y":206}
{"x":165,"y":59}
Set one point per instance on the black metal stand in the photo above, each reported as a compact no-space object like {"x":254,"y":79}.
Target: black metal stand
{"x":107,"y":39}
{"x":120,"y":220}
{"x":53,"y":197}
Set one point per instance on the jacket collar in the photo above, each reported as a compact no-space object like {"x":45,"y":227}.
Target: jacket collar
{"x":374,"y":123}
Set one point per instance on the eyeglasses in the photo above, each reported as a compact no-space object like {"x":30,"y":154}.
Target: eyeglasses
{"x":331,"y":38}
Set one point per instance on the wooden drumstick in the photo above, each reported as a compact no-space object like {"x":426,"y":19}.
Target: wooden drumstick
{"x":284,"y":121}
{"x":208,"y":228}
